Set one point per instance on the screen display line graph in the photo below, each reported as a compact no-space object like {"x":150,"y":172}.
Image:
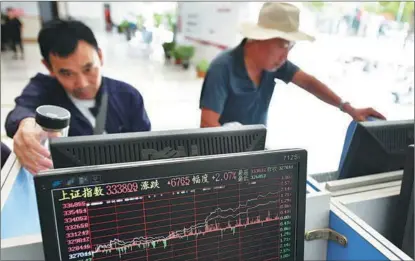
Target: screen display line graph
{"x":209,"y":225}
{"x":237,"y":214}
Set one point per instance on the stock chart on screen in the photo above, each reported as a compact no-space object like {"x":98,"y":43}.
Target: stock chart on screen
{"x":231,"y":214}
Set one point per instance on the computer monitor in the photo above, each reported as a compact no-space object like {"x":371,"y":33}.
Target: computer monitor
{"x":128,"y":147}
{"x":242,"y":206}
{"x":376,"y":147}
{"x":403,"y":227}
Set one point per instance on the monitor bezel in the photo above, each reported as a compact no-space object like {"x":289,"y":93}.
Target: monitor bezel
{"x":200,"y":164}
{"x":117,"y":137}
{"x":109,"y":143}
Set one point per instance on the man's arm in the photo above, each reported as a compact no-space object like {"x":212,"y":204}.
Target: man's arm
{"x":214,"y":94}
{"x":26,"y":104}
{"x":21,"y":126}
{"x":321,"y":91}
{"x":316,"y":87}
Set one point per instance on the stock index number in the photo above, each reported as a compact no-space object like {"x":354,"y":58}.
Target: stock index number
{"x":121,"y":188}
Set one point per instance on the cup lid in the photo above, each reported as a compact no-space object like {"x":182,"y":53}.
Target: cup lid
{"x":52,"y":117}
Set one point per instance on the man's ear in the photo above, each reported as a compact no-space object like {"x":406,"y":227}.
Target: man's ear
{"x":47,"y":65}
{"x":101,"y":59}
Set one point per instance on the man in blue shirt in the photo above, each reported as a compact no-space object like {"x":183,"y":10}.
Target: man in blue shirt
{"x":72,"y":56}
{"x":239,"y":83}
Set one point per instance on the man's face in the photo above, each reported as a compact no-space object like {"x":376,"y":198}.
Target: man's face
{"x":274,"y":53}
{"x":10,"y":14}
{"x":80,"y":72}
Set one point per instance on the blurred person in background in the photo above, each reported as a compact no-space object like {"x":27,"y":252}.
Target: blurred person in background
{"x":410,"y":32}
{"x":108,"y":20}
{"x":14,"y":32}
{"x":240,"y":82}
{"x":71,"y":54}
{"x":4,"y":35}
{"x":356,"y":21}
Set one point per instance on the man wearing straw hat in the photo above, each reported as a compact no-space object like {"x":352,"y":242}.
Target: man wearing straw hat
{"x":239,"y":83}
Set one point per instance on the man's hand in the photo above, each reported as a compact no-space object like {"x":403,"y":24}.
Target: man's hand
{"x":363,"y":114}
{"x":30,"y":153}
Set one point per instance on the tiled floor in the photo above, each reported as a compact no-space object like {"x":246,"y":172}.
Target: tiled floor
{"x":296,"y":119}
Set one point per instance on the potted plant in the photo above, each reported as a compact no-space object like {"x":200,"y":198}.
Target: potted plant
{"x":140,"y":22}
{"x":201,"y":68}
{"x":176,"y":56}
{"x":185,"y":53}
{"x":168,"y":49}
{"x":158,"y":19}
{"x":123,"y":26}
{"x":170,"y":21}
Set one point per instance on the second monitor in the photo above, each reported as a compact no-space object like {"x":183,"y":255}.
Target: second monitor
{"x":403,"y":228}
{"x":142,"y":146}
{"x":377,"y":147}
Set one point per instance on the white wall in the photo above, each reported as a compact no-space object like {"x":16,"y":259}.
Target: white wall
{"x":213,"y":23}
{"x":210,"y":22}
{"x":126,"y":11}
{"x":93,"y":10}
{"x":63,"y":9}
{"x":91,"y":13}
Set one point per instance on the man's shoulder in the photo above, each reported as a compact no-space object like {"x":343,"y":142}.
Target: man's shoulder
{"x":44,"y":78}
{"x":117,"y":85}
{"x":43,"y":82}
{"x":224,"y":58}
{"x":120,"y":87}
{"x":286,"y":72}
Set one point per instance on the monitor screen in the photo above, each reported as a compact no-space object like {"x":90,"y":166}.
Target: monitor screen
{"x":377,"y":147}
{"x":141,"y":146}
{"x":243,"y":206}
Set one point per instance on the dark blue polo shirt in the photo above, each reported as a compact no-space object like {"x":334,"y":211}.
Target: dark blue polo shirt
{"x":228,"y":90}
{"x":125,"y":111}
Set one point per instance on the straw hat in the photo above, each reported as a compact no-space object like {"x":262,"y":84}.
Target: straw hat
{"x":276,"y":20}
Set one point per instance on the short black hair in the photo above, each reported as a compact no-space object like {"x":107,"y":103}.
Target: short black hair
{"x":61,"y":37}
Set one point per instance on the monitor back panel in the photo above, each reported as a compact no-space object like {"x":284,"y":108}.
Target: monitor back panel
{"x":405,"y":200}
{"x":236,"y":206}
{"x":141,"y":146}
{"x":377,"y":147}
{"x":408,"y":237}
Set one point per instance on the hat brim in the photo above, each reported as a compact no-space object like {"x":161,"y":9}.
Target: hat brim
{"x":255,"y":32}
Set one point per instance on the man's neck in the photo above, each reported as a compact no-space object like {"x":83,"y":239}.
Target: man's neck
{"x":252,"y":68}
